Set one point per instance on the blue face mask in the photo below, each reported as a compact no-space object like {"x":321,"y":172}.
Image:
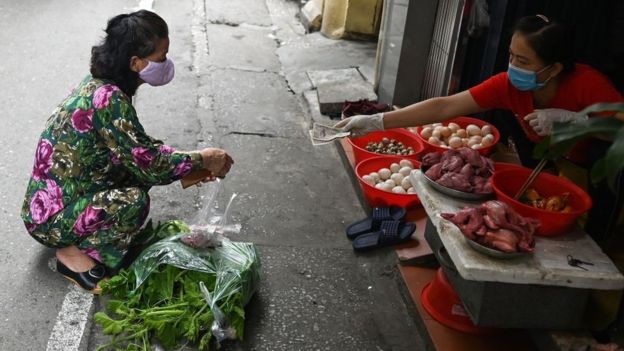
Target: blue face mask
{"x":525,"y":80}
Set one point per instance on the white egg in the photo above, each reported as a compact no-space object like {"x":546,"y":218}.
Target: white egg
{"x":390,"y":182}
{"x":395,"y":167}
{"x":405,"y":183}
{"x":375,"y":176}
{"x":411,"y":191}
{"x":473,"y":130}
{"x":368,"y":179}
{"x":486,"y":129}
{"x":383,"y":186}
{"x":438,"y":124}
{"x":487,"y":140}
{"x":476,"y":146}
{"x":436,"y":134}
{"x":384,"y":173}
{"x":465,"y":141}
{"x":454,"y":127}
{"x":455,"y":142}
{"x":446,"y":131}
{"x":426,"y":132}
{"x":472,"y":142}
{"x":476,"y":138}
{"x":433,"y":140}
{"x":462,"y":133}
{"x":397,"y":178}
{"x":406,"y":163}
{"x":405,"y":171}
{"x":398,"y":190}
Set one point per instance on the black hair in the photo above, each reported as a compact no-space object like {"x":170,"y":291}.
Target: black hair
{"x":127,"y":35}
{"x":551,"y":40}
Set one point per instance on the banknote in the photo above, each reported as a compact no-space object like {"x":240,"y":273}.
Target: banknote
{"x":322,"y":134}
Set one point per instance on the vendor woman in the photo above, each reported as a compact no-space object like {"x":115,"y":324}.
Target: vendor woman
{"x":542,"y":85}
{"x":94,"y":163}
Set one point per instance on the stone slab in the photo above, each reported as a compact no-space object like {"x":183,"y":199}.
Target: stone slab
{"x":235,"y":12}
{"x":334,"y":87}
{"x":546,"y":266}
{"x":312,"y":14}
{"x":253,"y":47}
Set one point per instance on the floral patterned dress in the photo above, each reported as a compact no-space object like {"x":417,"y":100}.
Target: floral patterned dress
{"x":94,"y":166}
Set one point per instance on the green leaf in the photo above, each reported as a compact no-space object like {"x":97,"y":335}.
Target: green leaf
{"x":603,"y":107}
{"x":170,"y":228}
{"x":204,"y":343}
{"x":614,"y":159}
{"x":109,"y":325}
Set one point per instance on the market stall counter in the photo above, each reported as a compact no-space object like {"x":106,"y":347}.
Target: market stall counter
{"x":537,"y":290}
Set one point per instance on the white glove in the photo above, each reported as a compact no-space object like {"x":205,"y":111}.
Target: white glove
{"x":542,"y":120}
{"x":361,"y":124}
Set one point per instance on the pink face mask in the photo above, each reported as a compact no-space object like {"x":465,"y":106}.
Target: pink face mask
{"x":158,"y":73}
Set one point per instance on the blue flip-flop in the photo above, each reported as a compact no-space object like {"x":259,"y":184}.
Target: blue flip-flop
{"x":372,"y":223}
{"x":389,"y":233}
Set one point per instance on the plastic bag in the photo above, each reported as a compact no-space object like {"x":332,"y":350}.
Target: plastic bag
{"x":236,"y":265}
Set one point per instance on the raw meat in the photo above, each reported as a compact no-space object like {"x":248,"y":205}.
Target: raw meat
{"x":435,"y":172}
{"x":496,"y":225}
{"x":463,"y":169}
{"x":455,"y":181}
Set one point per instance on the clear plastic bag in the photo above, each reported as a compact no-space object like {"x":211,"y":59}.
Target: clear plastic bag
{"x":236,"y":265}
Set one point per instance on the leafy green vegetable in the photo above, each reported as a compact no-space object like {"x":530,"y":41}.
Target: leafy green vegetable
{"x":159,"y":296}
{"x":167,"y":306}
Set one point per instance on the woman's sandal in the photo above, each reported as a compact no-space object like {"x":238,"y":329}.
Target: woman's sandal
{"x":88,"y":280}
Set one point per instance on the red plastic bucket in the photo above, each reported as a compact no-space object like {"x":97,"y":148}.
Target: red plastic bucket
{"x":377,"y":197}
{"x":359,"y":144}
{"x":441,"y":302}
{"x":462,"y":122}
{"x":508,"y":181}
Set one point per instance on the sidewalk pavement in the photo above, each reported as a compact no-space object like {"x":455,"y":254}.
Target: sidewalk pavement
{"x":242,"y":84}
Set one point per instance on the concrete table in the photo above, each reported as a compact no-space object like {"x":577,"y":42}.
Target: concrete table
{"x":546,"y":266}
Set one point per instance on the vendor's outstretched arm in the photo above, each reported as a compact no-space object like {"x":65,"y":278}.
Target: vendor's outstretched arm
{"x":432,"y":110}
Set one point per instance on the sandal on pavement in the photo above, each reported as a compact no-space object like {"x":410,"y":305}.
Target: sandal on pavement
{"x":390,"y":233}
{"x":86,"y":280}
{"x":372,"y":223}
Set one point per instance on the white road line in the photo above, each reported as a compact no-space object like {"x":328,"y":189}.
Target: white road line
{"x":199,"y":36}
{"x":71,"y":321}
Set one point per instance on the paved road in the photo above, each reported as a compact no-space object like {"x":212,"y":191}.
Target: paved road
{"x":230,"y":92}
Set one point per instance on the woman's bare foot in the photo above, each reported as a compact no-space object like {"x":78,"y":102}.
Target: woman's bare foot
{"x":74,"y":259}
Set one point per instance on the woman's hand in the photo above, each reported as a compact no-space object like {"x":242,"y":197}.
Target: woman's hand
{"x":361,"y":124}
{"x":217,"y":161}
{"x":542,"y":120}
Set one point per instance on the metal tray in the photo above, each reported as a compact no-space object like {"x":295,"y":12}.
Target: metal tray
{"x":493,"y":252}
{"x":452,"y":192}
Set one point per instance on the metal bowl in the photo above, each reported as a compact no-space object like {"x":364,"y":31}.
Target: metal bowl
{"x":452,"y":192}
{"x":493,"y":252}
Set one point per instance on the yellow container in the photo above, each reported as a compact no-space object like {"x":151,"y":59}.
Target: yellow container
{"x":351,"y":18}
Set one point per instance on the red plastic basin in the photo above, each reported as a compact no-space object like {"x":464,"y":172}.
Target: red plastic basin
{"x":499,"y":166}
{"x":462,"y":122}
{"x":508,"y":181}
{"x":441,"y":302}
{"x":359,"y":144}
{"x":380,"y":198}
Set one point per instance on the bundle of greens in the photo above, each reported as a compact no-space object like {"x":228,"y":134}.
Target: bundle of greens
{"x":160,"y":295}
